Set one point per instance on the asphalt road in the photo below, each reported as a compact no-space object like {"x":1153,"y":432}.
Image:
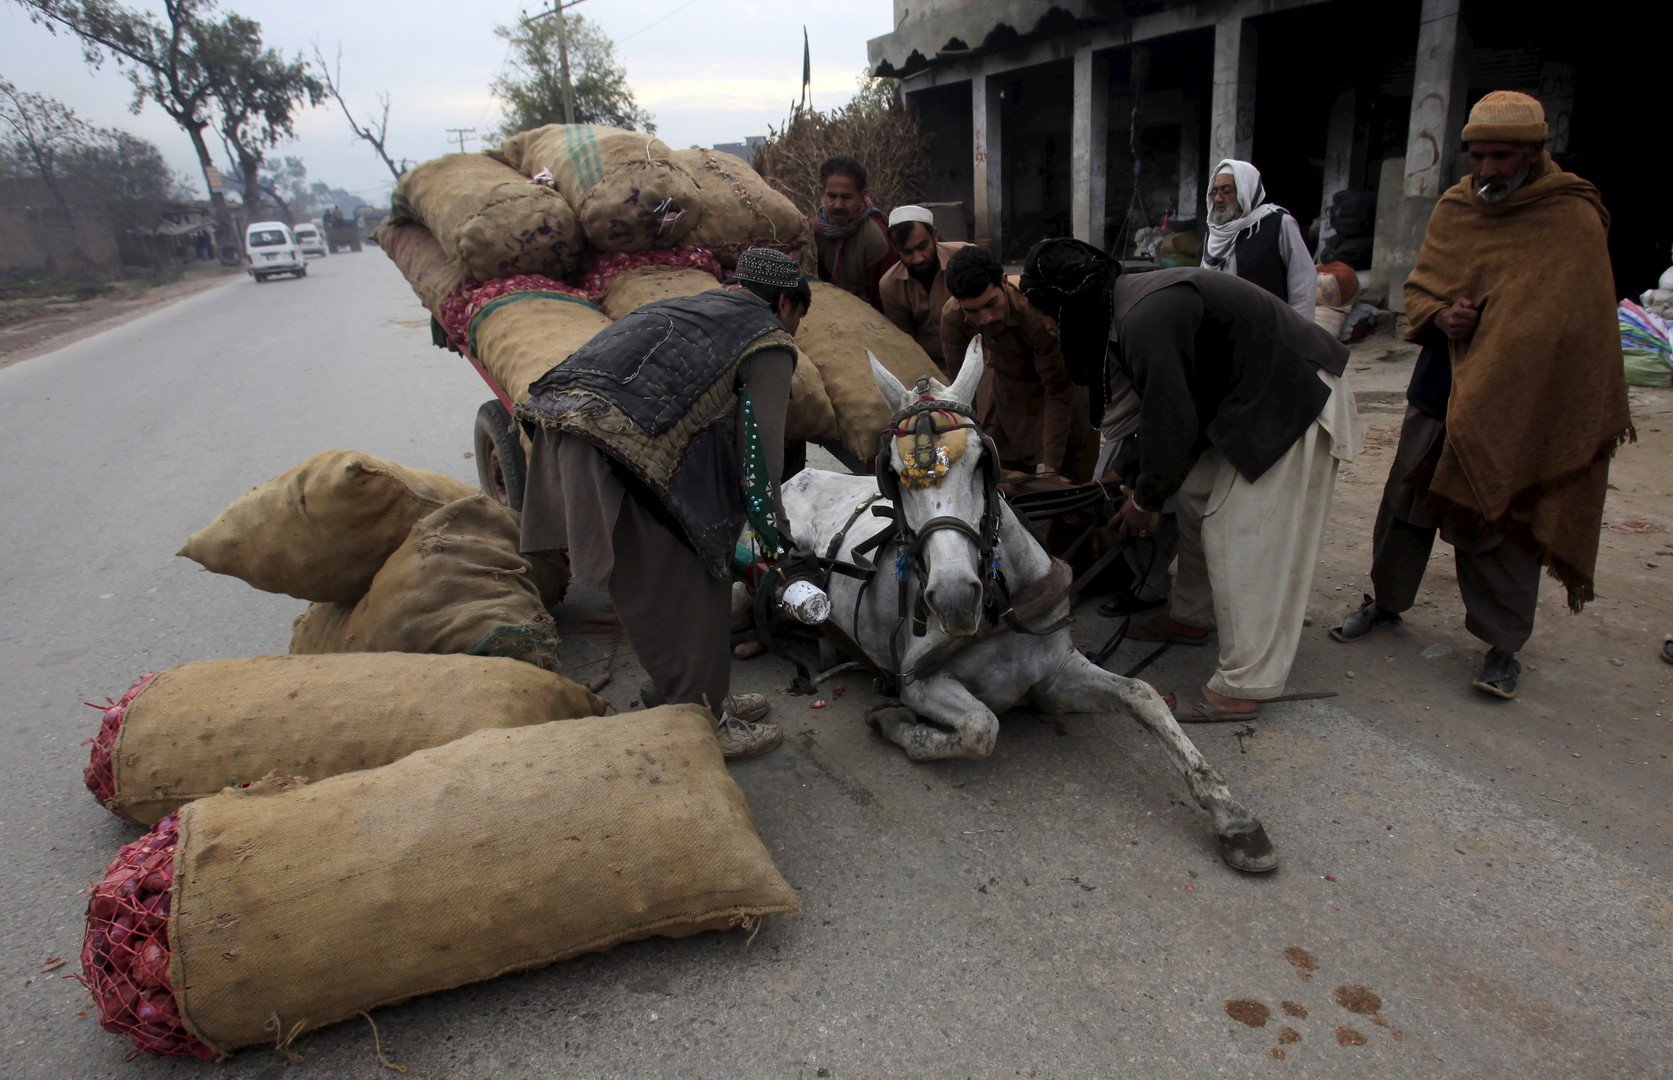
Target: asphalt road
{"x":1055,"y":911}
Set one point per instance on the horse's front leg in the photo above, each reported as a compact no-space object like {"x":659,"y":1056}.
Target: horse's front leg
{"x":970,"y":728}
{"x":1082,"y":686}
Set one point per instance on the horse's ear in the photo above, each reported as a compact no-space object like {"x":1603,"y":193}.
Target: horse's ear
{"x":889,"y":386}
{"x":963,"y":389}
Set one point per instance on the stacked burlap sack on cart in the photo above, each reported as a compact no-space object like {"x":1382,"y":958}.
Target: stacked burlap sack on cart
{"x":412,"y":800}
{"x":523,"y":253}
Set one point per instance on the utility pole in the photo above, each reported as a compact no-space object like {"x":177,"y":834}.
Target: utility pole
{"x":557,"y":11}
{"x":462,"y":134}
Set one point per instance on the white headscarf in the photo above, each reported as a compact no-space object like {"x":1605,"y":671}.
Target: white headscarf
{"x":1251,"y":202}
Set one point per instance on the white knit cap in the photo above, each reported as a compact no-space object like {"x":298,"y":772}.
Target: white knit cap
{"x":902,"y":214}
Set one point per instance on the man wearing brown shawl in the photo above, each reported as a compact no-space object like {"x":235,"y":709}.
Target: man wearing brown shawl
{"x":1518,"y":400}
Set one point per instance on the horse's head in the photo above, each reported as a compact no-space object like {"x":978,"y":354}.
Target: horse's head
{"x":939,"y":469}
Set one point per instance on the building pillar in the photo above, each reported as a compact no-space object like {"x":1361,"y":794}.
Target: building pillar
{"x":1089,"y":147}
{"x":986,"y":160}
{"x":1440,"y":83}
{"x":1190,"y":205}
{"x":1338,"y":157}
{"x":1231,"y":121}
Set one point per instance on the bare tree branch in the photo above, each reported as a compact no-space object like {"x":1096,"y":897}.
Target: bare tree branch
{"x":376,"y":132}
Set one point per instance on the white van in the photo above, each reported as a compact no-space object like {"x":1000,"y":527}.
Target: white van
{"x":272,"y":249}
{"x":309,"y":239}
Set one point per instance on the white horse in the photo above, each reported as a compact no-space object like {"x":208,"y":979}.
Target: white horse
{"x":951,"y":694}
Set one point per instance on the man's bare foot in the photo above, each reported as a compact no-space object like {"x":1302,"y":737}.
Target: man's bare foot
{"x":1214,"y":708}
{"x":1231,"y":705}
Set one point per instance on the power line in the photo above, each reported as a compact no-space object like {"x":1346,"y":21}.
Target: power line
{"x":655,"y":22}
{"x":462,"y":134}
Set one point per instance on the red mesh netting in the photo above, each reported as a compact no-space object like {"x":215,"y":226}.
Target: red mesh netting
{"x":100,"y":780}
{"x":606,"y":268}
{"x":469,"y":297}
{"x":125,"y":956}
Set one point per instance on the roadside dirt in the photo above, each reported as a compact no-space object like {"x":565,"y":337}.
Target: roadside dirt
{"x":1589,"y":737}
{"x":60,"y":324}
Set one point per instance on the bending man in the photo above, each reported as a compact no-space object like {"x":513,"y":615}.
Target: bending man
{"x":647,"y":465}
{"x":1244,"y":414}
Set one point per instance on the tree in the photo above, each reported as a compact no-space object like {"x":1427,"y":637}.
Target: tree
{"x":178,"y":61}
{"x":374,"y":132}
{"x":874,"y":127}
{"x":532,"y":90}
{"x":258,"y":100}
{"x":39,"y":134}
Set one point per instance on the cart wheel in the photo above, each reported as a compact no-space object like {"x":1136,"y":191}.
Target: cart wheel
{"x":302,"y":273}
{"x":500,"y":468}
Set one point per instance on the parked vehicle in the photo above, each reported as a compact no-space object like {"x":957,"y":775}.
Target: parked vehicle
{"x":271,"y":249}
{"x":309,"y":240}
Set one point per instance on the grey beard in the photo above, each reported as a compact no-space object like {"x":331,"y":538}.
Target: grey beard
{"x":1223,"y":216}
{"x":1499,"y":190}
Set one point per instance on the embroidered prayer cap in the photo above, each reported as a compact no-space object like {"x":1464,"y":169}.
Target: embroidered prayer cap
{"x":900,"y":215}
{"x":1055,"y":270}
{"x":764,"y":266}
{"x":1506,"y":116}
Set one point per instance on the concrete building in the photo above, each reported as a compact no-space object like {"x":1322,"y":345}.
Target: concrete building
{"x":1096,"y":117}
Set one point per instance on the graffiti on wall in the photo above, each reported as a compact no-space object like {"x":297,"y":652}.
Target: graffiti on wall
{"x":1423,"y":146}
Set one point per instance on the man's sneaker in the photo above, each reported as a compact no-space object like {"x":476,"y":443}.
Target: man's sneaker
{"x":1498,"y":674}
{"x":746,"y":707}
{"x":740,"y":738}
{"x":1362,"y":620}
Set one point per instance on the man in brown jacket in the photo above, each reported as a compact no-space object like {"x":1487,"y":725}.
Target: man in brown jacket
{"x":914,"y":290}
{"x":1037,"y":417}
{"x":849,"y":237}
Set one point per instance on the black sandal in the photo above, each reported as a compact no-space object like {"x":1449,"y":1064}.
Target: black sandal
{"x":1362,"y":620}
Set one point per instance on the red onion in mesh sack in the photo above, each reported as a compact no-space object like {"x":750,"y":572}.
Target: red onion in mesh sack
{"x":98,"y":775}
{"x":125,"y":955}
{"x":606,"y":268}
{"x":469,"y":297}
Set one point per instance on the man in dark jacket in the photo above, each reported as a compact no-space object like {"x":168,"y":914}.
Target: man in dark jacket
{"x":1244,"y":414}
{"x":654,"y":445}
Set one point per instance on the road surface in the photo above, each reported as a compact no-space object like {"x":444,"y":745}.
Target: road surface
{"x":1055,"y":911}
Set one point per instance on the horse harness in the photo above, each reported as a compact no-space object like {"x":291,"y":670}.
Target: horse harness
{"x":927,"y":422}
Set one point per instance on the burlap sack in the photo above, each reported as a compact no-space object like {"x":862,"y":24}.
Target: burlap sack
{"x":211,"y":724}
{"x":736,"y":209}
{"x":501,"y":852}
{"x":521,"y":337}
{"x":810,"y":416}
{"x":836,"y":333}
{"x":624,"y":185}
{"x":431,"y":272}
{"x":457,"y":585}
{"x":648,"y":284}
{"x":320,"y":629}
{"x":490,"y":218}
{"x":323,"y":529}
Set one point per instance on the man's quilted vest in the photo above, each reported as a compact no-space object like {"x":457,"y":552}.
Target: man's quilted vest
{"x":657,"y":392}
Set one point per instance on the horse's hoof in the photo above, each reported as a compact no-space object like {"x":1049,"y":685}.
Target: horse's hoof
{"x":894,"y":715}
{"x":1250,"y":852}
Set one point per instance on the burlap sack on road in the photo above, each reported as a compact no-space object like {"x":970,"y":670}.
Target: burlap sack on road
{"x":432,"y":272}
{"x":626,"y":188}
{"x":490,"y":218}
{"x":320,"y":629}
{"x":836,"y":334}
{"x":500,"y":852}
{"x":737,"y":209}
{"x":457,"y":585}
{"x":636,"y":288}
{"x":322,"y":530}
{"x":212,"y":724}
{"x":521,"y":337}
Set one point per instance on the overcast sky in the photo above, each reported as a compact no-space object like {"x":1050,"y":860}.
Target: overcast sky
{"x":708,"y":70}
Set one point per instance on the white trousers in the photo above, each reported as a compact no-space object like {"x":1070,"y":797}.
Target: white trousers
{"x":1246,"y":557}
